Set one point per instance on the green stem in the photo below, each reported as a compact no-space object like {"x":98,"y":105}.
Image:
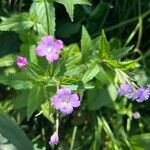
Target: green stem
{"x":47,"y":16}
{"x":73,"y":137}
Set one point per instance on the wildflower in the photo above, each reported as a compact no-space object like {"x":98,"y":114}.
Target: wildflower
{"x":136,"y":115}
{"x":54,"y":139}
{"x":21,"y":61}
{"x":125,"y":90}
{"x":141,"y":95}
{"x":64,"y":101}
{"x":50,"y":48}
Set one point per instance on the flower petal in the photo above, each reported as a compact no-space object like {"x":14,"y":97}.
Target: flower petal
{"x":52,"y":57}
{"x":58,"y":45}
{"x":48,"y":40}
{"x":54,"y":139}
{"x":56,"y":102}
{"x":74,"y":100}
{"x":41,"y":50}
{"x":66,"y":109}
{"x":64,"y":92}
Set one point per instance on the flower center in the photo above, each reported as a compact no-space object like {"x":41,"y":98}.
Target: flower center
{"x":49,"y":50}
{"x":65,"y":101}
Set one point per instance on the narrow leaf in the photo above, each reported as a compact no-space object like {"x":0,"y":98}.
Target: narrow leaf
{"x":86,"y":43}
{"x":104,"y":48}
{"x":90,"y":73}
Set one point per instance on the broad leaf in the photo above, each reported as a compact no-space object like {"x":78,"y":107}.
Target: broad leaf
{"x":17,"y":22}
{"x":13,"y":135}
{"x":97,"y":98}
{"x":37,"y":96}
{"x":44,"y":13}
{"x":90,"y":73}
{"x":19,"y":80}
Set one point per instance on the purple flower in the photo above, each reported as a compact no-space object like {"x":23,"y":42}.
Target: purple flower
{"x":64,"y":101}
{"x":136,"y":115}
{"x":21,"y":61}
{"x":54,"y":139}
{"x":50,"y":48}
{"x":125,"y":90}
{"x":141,"y":94}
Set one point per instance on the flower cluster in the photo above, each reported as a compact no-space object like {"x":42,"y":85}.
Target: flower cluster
{"x":141,"y":94}
{"x":64,"y":101}
{"x":50,"y":48}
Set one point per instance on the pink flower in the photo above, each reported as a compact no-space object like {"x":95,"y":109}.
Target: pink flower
{"x":65,"y":101}
{"x":50,"y":48}
{"x":21,"y":62}
{"x":54,"y":139}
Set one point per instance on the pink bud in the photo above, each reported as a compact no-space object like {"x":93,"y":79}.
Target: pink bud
{"x":21,"y":62}
{"x":54,"y":139}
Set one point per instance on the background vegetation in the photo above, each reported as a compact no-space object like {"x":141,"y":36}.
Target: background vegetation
{"x":104,"y":120}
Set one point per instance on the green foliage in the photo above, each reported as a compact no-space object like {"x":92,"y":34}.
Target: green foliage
{"x":17,"y":22}
{"x":37,"y":96}
{"x":91,"y":64}
{"x":13,"y":134}
{"x":69,"y":5}
{"x":44,"y":14}
{"x":104,"y":48}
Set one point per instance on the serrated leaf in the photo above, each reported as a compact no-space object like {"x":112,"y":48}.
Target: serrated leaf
{"x":120,"y":52}
{"x":37,"y":96}
{"x":17,"y":22}
{"x":90,"y":73}
{"x":45,"y":25}
{"x":86,"y":43}
{"x":69,"y":5}
{"x":104,"y":47}
{"x":13,"y":134}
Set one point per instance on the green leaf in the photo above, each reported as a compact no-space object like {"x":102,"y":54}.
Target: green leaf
{"x":7,"y":61}
{"x":90,"y":73}
{"x":140,"y":142}
{"x":42,"y":9}
{"x":37,"y":96}
{"x":13,"y":135}
{"x":86,"y":43}
{"x":121,"y":52}
{"x":17,"y":22}
{"x":97,"y":98}
{"x":103,"y":76}
{"x":21,"y":99}
{"x":75,"y":71}
{"x":19,"y":80}
{"x":104,"y":48}
{"x":69,"y":5}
